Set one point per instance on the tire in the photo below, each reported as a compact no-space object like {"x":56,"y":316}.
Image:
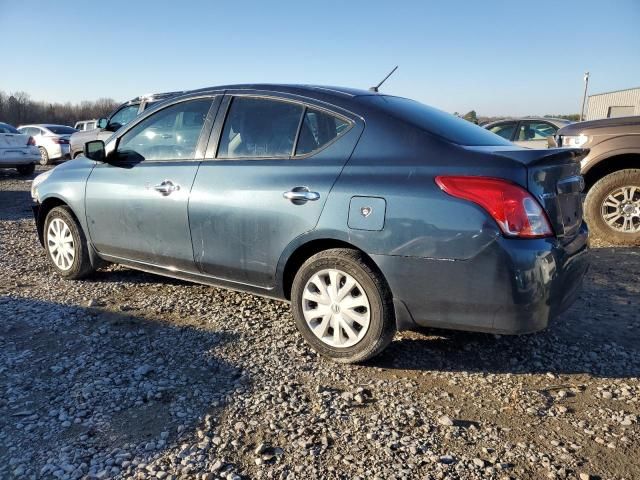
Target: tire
{"x":44,"y":156}
{"x":72,"y":267}
{"x":612,"y":188}
{"x":26,"y":169}
{"x":76,"y":155}
{"x":360,"y":342}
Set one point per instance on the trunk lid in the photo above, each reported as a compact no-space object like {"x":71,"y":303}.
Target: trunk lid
{"x":553,"y":177}
{"x":13,"y":140}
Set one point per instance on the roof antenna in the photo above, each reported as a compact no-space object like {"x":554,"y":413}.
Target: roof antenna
{"x":375,"y":89}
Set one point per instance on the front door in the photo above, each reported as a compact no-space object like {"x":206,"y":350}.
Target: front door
{"x":136,"y":205}
{"x":275,"y":165}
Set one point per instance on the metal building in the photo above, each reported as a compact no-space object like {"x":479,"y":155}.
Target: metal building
{"x":619,"y":103}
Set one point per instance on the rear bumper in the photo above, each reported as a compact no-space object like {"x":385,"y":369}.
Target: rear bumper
{"x":59,"y":152}
{"x":10,"y":158}
{"x":511,"y":287}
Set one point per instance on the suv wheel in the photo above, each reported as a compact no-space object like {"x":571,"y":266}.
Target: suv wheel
{"x":342,"y":306}
{"x":66,"y":244}
{"x":44,"y":156}
{"x":612,"y":208}
{"x":26,"y":169}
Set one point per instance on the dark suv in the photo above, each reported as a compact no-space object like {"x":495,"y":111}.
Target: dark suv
{"x":612,"y":175}
{"x":118,"y":118}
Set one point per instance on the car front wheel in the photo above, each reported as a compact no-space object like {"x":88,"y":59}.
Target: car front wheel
{"x":66,"y":244}
{"x":612,"y":208}
{"x":342,"y":306}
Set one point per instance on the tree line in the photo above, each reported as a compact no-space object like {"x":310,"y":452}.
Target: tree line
{"x":17,"y":108}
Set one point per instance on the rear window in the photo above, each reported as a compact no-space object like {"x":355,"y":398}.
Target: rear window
{"x":61,"y":130}
{"x":436,"y":121}
{"x":6,"y":128}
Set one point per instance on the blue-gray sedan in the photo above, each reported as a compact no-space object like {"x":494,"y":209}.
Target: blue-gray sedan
{"x":368,"y":212}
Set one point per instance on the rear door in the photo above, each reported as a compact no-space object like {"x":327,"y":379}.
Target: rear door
{"x":136,"y":204}
{"x":264,"y":182}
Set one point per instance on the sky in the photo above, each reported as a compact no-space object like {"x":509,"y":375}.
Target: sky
{"x":496,"y":57}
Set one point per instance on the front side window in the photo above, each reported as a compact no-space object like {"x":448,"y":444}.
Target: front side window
{"x":505,"y":130}
{"x":318,"y":129}
{"x":171,"y":133}
{"x":259,"y":128}
{"x":535,"y":131}
{"x":123,"y":116}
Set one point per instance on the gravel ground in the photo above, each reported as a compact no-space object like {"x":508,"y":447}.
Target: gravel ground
{"x":130,"y":375}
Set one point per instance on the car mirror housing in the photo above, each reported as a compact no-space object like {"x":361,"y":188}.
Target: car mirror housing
{"x":102,"y":123}
{"x":94,"y":150}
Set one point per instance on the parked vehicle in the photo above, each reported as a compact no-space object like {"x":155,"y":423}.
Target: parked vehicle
{"x":612,"y":175}
{"x":86,"y":125}
{"x":17,"y":150}
{"x":530,"y":132}
{"x":52,"y":141}
{"x":119,"y":117}
{"x":370,"y":213}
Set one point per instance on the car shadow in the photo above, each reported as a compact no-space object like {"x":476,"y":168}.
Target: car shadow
{"x":86,"y":380}
{"x":598,"y":336}
{"x":16,"y":205}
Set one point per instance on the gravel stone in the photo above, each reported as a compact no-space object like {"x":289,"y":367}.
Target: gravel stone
{"x":128,"y":375}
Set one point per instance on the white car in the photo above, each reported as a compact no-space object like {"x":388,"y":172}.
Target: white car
{"x":52,"y":141}
{"x":17,"y":150}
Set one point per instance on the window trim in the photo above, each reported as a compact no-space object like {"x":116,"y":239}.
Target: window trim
{"x":305,"y":105}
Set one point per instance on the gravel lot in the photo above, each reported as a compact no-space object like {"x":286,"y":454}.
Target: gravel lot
{"x":130,"y":375}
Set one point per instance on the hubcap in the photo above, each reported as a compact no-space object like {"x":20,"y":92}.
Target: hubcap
{"x":60,"y":244}
{"x":621,"y":209}
{"x":336,"y":308}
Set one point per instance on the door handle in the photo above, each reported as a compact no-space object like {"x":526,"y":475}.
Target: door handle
{"x":166,"y":188}
{"x":299,"y":195}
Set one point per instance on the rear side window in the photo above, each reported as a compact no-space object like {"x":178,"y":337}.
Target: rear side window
{"x":61,"y":129}
{"x":435,"y":121}
{"x":318,"y":129}
{"x":259,"y":128}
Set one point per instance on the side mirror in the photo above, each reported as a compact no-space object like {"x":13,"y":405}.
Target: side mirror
{"x":102,"y":123}
{"x":94,"y":150}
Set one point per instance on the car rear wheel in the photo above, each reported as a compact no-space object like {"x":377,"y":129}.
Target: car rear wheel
{"x":26,"y":169}
{"x":66,"y":244}
{"x":342,"y":306}
{"x":44,"y":156}
{"x":612,"y":208}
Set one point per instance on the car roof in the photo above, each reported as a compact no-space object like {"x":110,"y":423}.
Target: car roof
{"x":327,"y":90}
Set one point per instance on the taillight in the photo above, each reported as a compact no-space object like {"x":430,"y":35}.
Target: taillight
{"x":515,"y":210}
{"x":31,"y":142}
{"x":60,"y":141}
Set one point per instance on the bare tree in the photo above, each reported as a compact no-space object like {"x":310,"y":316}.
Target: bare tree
{"x":17,"y":108}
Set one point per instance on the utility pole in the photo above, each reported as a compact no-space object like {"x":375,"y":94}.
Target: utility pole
{"x":584,"y":97}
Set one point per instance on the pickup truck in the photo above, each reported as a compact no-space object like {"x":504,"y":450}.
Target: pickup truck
{"x":611,"y":172}
{"x":118,"y":118}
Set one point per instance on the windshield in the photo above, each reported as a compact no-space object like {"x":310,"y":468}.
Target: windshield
{"x":6,"y":128}
{"x":435,"y":121}
{"x":61,"y":129}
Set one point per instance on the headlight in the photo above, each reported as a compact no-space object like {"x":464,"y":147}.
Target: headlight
{"x":574,"y":140}
{"x":37,"y":181}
